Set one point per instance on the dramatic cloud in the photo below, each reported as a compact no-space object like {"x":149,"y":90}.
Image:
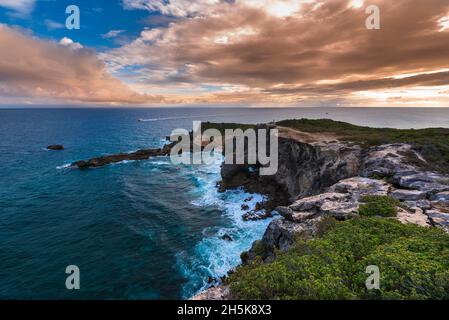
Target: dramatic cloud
{"x":42,"y":70}
{"x":291,"y":51}
{"x":277,"y":52}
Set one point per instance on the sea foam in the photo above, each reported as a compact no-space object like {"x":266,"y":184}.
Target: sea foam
{"x":213,"y":257}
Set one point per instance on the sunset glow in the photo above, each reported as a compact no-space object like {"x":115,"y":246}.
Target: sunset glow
{"x":276,"y":52}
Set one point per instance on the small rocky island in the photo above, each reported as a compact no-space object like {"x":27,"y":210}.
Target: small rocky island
{"x":55,"y":147}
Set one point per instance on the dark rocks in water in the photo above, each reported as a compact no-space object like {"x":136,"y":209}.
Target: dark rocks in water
{"x":245,"y":207}
{"x":257,"y":215}
{"x":134,"y":156}
{"x":55,"y":147}
{"x":227,"y":237}
{"x":210,"y":280}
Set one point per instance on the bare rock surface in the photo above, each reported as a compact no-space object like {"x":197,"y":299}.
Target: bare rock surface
{"x":408,"y":195}
{"x":439,"y":219}
{"x":418,"y":217}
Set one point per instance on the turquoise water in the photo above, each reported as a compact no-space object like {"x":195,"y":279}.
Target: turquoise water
{"x":136,"y":230}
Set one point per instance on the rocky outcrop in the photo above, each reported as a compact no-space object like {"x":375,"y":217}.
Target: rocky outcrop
{"x":324,"y":178}
{"x":133,"y":156}
{"x":308,"y":168}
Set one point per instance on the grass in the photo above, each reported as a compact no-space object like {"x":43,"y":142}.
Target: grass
{"x":413,"y":263}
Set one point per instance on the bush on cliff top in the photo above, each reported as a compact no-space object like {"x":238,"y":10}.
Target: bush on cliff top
{"x":383,"y":206}
{"x":413,"y":261}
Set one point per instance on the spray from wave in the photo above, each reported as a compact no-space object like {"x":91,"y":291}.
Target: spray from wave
{"x":213,"y":256}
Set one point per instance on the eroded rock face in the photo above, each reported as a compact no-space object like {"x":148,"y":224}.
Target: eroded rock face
{"x":306,"y":169}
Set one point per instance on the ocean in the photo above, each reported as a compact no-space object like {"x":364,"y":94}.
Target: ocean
{"x":136,"y":230}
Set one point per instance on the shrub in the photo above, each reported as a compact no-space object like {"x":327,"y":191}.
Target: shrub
{"x":383,"y":206}
{"x":413,"y":261}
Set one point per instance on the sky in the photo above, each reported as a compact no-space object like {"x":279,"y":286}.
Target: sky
{"x":225,"y":52}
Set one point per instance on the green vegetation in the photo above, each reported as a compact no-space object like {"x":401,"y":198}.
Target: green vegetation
{"x":383,"y":206}
{"x":413,"y":261}
{"x":432,"y":143}
{"x":223,"y":126}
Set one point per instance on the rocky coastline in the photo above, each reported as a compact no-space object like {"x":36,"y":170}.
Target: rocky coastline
{"x":321,"y":176}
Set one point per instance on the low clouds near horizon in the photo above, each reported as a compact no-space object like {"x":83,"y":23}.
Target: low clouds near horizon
{"x":277,"y":52}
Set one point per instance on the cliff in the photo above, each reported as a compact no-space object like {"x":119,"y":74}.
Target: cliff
{"x":325,"y":174}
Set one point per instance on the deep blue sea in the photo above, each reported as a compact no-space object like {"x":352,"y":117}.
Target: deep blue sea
{"x":136,"y":230}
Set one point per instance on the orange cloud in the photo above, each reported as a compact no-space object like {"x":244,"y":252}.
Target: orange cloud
{"x":278,"y":52}
{"x":292,"y":50}
{"x":36,"y":69}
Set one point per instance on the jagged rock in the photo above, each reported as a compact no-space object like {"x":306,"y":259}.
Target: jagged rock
{"x":359,"y":186}
{"x":418,"y":217}
{"x":227,"y":237}
{"x":442,"y":197}
{"x":386,"y":160}
{"x":282,"y":233}
{"x":429,"y":182}
{"x":257,"y":215}
{"x":245,"y":207}
{"x":285,"y":212}
{"x":307,"y":167}
{"x":340,"y":210}
{"x":229,"y":171}
{"x":216,"y":293}
{"x":297,"y":217}
{"x":439,"y":219}
{"x":55,"y":147}
{"x":440,"y":206}
{"x":408,"y":195}
{"x":421,"y":204}
{"x":314,"y":203}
